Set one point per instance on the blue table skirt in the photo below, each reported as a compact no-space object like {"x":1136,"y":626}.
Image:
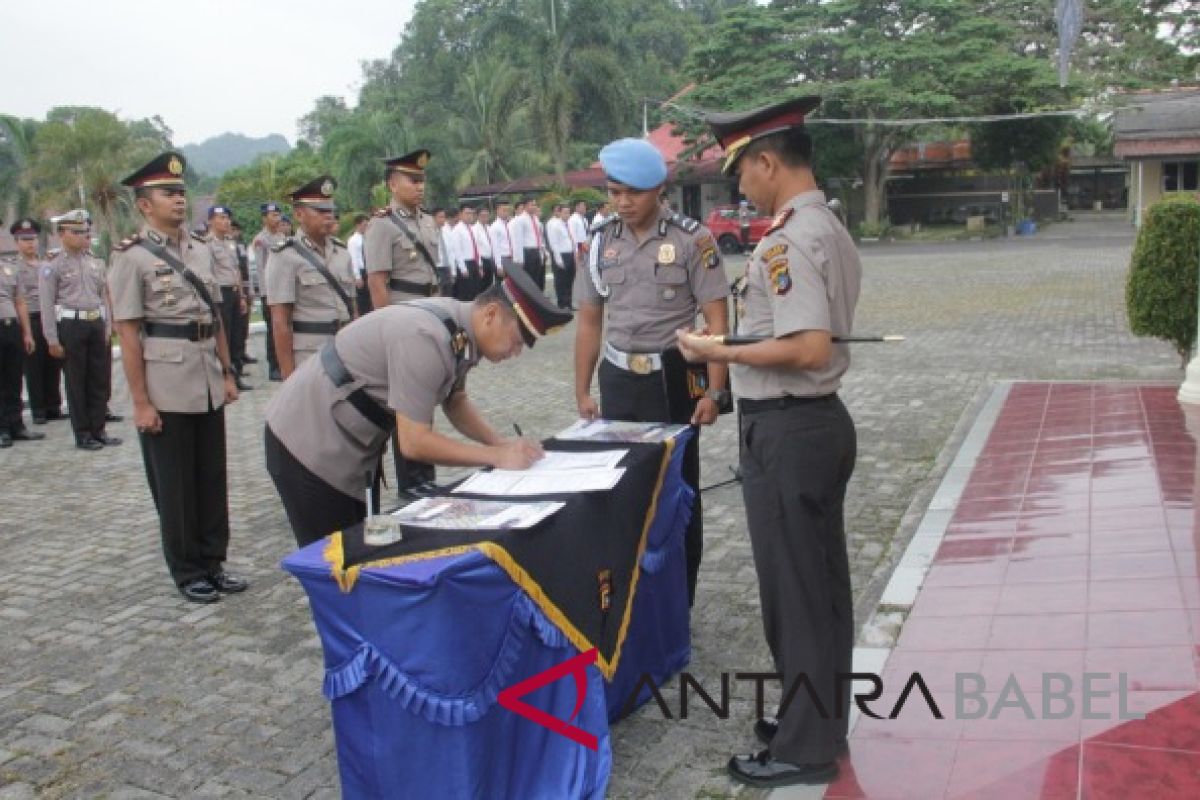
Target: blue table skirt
{"x":417,"y":654}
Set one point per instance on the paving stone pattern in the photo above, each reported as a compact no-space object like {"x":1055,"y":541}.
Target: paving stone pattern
{"x":113,"y":686}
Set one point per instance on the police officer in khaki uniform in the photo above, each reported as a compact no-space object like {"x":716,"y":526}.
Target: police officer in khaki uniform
{"x":73,"y":288}
{"x":653,"y":271}
{"x":311,"y":283}
{"x":177,"y":365}
{"x":270,"y":235}
{"x":16,"y":343}
{"x":327,"y":427}
{"x":43,"y":372}
{"x":402,"y":250}
{"x":799,"y":290}
{"x":229,"y":277}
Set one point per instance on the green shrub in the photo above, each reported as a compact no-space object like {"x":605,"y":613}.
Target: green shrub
{"x":1160,"y":297}
{"x":867,"y":230}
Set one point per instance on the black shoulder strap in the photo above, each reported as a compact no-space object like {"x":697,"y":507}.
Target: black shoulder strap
{"x":417,"y":243}
{"x":311,"y":258}
{"x":160,"y":252}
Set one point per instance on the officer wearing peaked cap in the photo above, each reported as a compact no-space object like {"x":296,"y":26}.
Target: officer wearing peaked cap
{"x":799,"y":290}
{"x":16,"y":343}
{"x":176,"y":360}
{"x":43,"y":372}
{"x":73,"y":294}
{"x":652,"y":271}
{"x":402,"y":249}
{"x":385,"y":374}
{"x":311,"y":284}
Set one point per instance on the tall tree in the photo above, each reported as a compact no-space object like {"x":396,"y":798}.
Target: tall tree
{"x":16,"y":152}
{"x":491,"y":127}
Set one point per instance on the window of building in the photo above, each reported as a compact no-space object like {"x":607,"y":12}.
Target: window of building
{"x":1181,"y":176}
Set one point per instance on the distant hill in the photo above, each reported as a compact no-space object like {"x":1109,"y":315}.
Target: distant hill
{"x":221,"y":153}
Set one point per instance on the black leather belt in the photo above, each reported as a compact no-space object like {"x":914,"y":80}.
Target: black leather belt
{"x":749,"y":406}
{"x":327,"y":328}
{"x":366,"y":405}
{"x":192,"y":331}
{"x":423,"y":289}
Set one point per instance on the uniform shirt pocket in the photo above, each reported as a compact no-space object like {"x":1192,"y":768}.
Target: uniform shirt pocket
{"x":613,"y":274}
{"x":168,"y":351}
{"x":310,"y":279}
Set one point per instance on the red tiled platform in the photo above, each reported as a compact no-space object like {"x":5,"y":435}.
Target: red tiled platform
{"x":1073,"y":547}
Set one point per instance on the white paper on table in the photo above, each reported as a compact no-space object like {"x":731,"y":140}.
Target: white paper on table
{"x":510,"y":483}
{"x":556,"y":460}
{"x":452,"y":513}
{"x":606,"y":430}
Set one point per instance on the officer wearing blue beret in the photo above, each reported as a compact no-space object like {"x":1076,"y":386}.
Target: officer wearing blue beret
{"x":653,"y":270}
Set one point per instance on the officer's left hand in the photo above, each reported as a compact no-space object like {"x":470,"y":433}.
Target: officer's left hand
{"x":231,"y":390}
{"x":706,"y":412}
{"x":30,"y":345}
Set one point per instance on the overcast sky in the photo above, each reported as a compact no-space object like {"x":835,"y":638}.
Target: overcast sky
{"x":204,"y":66}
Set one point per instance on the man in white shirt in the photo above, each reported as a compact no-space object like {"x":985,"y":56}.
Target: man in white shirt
{"x":502,"y":238}
{"x":602,"y":215}
{"x":562,"y":250}
{"x":577,"y":226}
{"x":465,"y":247}
{"x":529,"y":242}
{"x":355,"y":245}
{"x":445,"y":265}
{"x":487,"y":269}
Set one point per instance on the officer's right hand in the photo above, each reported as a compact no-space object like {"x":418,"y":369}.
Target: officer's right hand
{"x":587,"y":407}
{"x":146,"y":419}
{"x":517,"y":454}
{"x":57,"y":351}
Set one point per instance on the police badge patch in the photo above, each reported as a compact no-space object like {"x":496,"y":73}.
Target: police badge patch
{"x":781,"y":279}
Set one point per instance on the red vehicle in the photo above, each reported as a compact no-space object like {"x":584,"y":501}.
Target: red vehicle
{"x":727,"y":230}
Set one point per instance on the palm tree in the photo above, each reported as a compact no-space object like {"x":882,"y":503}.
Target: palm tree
{"x":491,"y":125}
{"x":16,"y":150}
{"x":354,"y":150}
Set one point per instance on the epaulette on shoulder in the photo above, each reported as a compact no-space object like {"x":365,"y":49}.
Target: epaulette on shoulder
{"x":604,"y":224}
{"x":338,"y":242}
{"x":686,"y":223}
{"x":127,"y":242}
{"x":381,"y":213}
{"x":780,"y":220}
{"x":198,"y":237}
{"x":286,"y":243}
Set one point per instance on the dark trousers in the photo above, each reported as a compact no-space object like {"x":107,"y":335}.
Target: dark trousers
{"x":487,"y":274}
{"x":535,"y":268}
{"x":410,"y":473}
{"x":745,"y":238}
{"x":564,"y":279}
{"x":43,"y":374}
{"x":12,"y":358}
{"x":272,"y":361}
{"x":185,"y":467}
{"x":314,"y":508}
{"x":230,"y":321}
{"x":796,"y":462}
{"x":631,"y":397}
{"x":362,"y":299}
{"x":466,"y":287}
{"x":89,"y":373}
{"x":243,"y":324}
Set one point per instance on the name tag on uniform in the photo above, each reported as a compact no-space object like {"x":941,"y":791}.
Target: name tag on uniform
{"x":161,"y":271}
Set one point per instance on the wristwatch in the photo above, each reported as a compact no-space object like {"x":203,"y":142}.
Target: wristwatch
{"x":719,"y":396}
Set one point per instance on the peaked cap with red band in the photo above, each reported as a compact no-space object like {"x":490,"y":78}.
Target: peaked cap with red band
{"x":735,"y":130}
{"x":164,"y":171}
{"x":538,"y":316}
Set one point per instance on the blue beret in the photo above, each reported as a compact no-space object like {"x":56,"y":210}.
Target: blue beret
{"x":267,"y":208}
{"x":214,"y":210}
{"x":635,"y":163}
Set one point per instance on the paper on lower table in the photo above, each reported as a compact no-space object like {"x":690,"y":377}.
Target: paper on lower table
{"x":506,"y":483}
{"x":456,"y":513}
{"x":606,"y":430}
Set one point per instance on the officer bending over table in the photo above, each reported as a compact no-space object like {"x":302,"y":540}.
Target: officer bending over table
{"x":328,"y":425}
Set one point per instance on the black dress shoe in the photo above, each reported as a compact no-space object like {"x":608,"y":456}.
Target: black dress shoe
{"x":763,"y":770}
{"x":27,"y":436}
{"x":222,"y":581}
{"x":5,"y":439}
{"x":249,"y":360}
{"x":106,"y":440}
{"x":199,"y":590}
{"x":39,"y":420}
{"x":243,"y":386}
{"x":111,"y":417}
{"x":86,"y":442}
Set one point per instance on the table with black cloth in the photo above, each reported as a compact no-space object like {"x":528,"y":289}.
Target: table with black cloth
{"x":420,"y":637}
